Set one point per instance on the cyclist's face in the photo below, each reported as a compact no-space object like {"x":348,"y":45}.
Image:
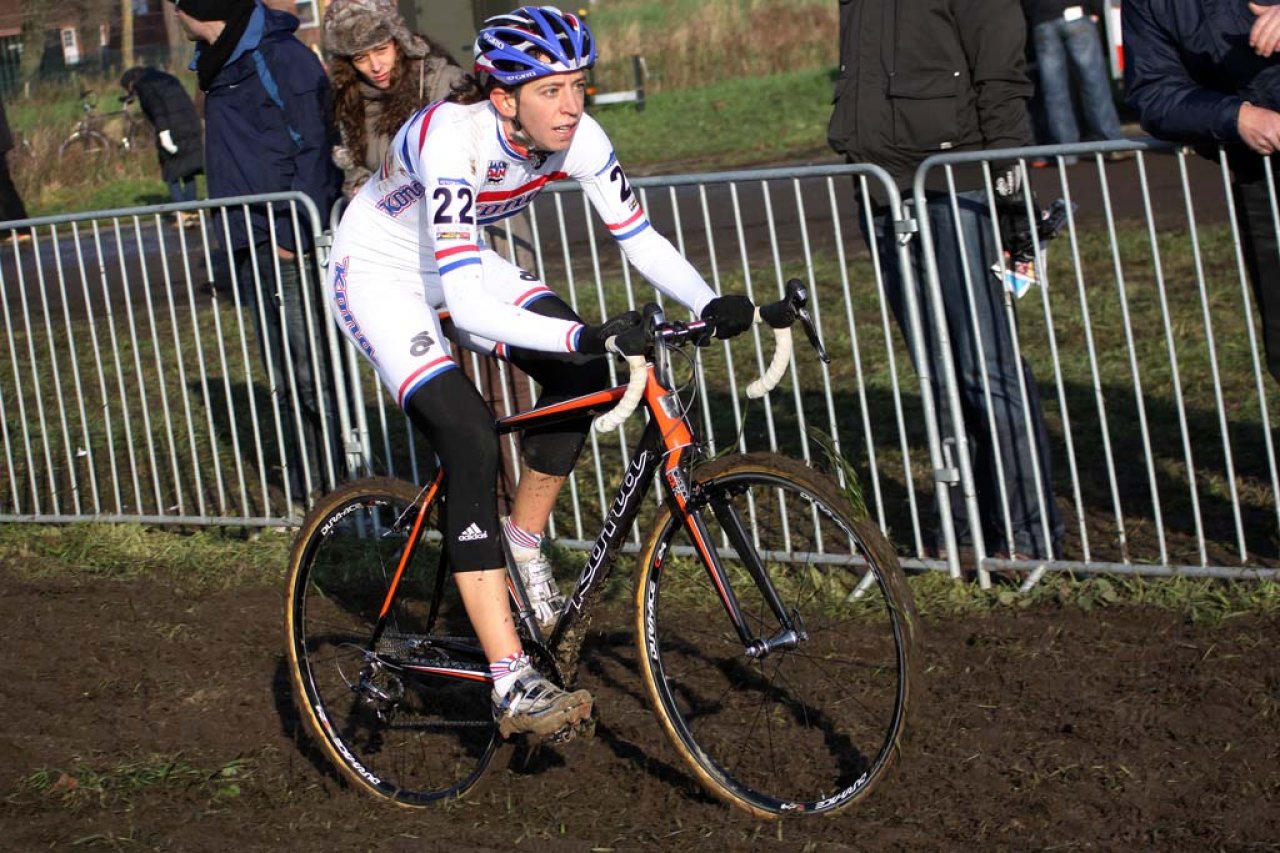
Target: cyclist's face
{"x":548,"y":109}
{"x":376,"y":64}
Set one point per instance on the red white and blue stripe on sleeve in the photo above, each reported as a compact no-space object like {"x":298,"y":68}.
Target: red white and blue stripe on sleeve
{"x":456,"y":257}
{"x":524,"y":300}
{"x":635,"y":219}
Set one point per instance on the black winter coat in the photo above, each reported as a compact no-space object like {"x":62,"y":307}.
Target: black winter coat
{"x":167,"y":106}
{"x":6,"y":135}
{"x":922,"y":77}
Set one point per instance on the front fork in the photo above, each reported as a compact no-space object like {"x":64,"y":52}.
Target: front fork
{"x":791,"y":630}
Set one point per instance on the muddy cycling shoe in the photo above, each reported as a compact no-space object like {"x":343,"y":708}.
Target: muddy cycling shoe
{"x":537,"y":707}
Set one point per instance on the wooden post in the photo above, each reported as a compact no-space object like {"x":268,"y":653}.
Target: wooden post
{"x":126,"y":33}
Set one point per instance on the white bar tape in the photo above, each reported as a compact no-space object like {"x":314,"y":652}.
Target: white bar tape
{"x":613,"y":418}
{"x":777,"y":367}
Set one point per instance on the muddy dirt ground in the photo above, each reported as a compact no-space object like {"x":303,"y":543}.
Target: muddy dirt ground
{"x":1043,"y":728}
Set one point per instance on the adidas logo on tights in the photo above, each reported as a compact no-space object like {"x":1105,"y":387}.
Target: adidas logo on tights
{"x":472,"y":533}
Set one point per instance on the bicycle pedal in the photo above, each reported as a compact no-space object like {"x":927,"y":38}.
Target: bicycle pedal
{"x":573,"y":731}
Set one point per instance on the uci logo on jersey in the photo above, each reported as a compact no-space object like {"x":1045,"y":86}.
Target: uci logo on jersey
{"x":497,"y":171}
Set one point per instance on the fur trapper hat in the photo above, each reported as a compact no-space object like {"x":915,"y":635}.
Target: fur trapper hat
{"x":354,"y":26}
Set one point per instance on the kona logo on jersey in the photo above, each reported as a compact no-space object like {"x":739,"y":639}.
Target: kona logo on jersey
{"x":497,"y":171}
{"x":452,"y":235}
{"x":344,"y":308}
{"x":420,"y":344}
{"x":401,"y":199}
{"x":503,"y":208}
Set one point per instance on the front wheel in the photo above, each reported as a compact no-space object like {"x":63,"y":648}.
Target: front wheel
{"x":85,"y":144}
{"x":813,"y":724}
{"x":399,"y":703}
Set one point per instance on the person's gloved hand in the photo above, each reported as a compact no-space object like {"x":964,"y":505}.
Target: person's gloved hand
{"x":591,"y":339}
{"x":632,"y":341}
{"x":1017,"y":228}
{"x":167,"y":143}
{"x":730,"y":315}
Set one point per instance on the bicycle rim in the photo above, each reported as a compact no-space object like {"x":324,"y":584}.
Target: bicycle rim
{"x":802,"y":730}
{"x":410,"y":719}
{"x":86,"y":145}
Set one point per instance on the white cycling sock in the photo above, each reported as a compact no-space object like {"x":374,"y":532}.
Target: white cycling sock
{"x":523,"y":543}
{"x":503,"y":672}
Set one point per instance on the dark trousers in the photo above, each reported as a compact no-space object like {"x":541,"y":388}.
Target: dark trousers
{"x":183,"y":189}
{"x":300,"y":377}
{"x":11,"y":206}
{"x":1003,"y":434}
{"x":1261,"y":255}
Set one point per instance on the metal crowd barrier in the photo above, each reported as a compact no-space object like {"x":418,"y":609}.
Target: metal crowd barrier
{"x":138,"y":389}
{"x":1141,"y":336}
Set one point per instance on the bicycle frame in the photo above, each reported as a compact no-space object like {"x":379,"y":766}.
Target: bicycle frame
{"x":668,"y":444}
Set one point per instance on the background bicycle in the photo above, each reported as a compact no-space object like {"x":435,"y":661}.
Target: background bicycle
{"x":775,"y":631}
{"x":98,"y":134}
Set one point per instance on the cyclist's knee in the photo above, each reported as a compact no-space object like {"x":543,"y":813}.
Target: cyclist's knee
{"x":452,"y":415}
{"x":554,"y":453}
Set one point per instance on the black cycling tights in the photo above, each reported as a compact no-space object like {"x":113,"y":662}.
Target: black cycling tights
{"x":453,"y":416}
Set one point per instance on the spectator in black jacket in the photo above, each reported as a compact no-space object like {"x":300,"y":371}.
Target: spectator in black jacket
{"x":11,"y":206}
{"x":1208,"y":75}
{"x":918,"y":79}
{"x":166,"y":104}
{"x":1067,"y":46}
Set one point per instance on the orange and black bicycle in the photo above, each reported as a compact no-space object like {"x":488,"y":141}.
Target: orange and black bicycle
{"x":775,"y":631}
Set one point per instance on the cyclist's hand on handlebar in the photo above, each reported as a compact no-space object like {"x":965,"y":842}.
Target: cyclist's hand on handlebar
{"x":592,"y":339}
{"x":730,"y":315}
{"x":779,"y":315}
{"x":633,"y":341}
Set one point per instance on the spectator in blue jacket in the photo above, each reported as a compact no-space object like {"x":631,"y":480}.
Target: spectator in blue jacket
{"x":268,"y":128}
{"x":1207,"y":74}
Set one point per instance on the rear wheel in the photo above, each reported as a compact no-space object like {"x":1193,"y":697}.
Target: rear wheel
{"x":406,"y":716}
{"x":812,"y":725}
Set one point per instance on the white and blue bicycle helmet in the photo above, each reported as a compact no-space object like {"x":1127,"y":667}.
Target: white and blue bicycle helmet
{"x":533,"y":42}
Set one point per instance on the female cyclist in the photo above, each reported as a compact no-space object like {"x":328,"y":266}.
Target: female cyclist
{"x":409,"y":246}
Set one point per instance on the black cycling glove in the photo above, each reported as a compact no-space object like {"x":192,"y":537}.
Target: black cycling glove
{"x":633,"y":341}
{"x":729,"y":315}
{"x":591,"y":339}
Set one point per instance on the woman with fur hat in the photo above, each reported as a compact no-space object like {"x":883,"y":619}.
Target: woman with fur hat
{"x":381,"y":74}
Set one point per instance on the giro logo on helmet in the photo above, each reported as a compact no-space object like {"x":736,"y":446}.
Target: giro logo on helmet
{"x":532,"y":42}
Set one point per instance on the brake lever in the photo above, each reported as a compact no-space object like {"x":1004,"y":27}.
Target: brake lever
{"x":811,"y":332}
{"x":798,"y":295}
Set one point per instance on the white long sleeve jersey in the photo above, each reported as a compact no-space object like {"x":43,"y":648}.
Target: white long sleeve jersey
{"x":450,"y":170}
